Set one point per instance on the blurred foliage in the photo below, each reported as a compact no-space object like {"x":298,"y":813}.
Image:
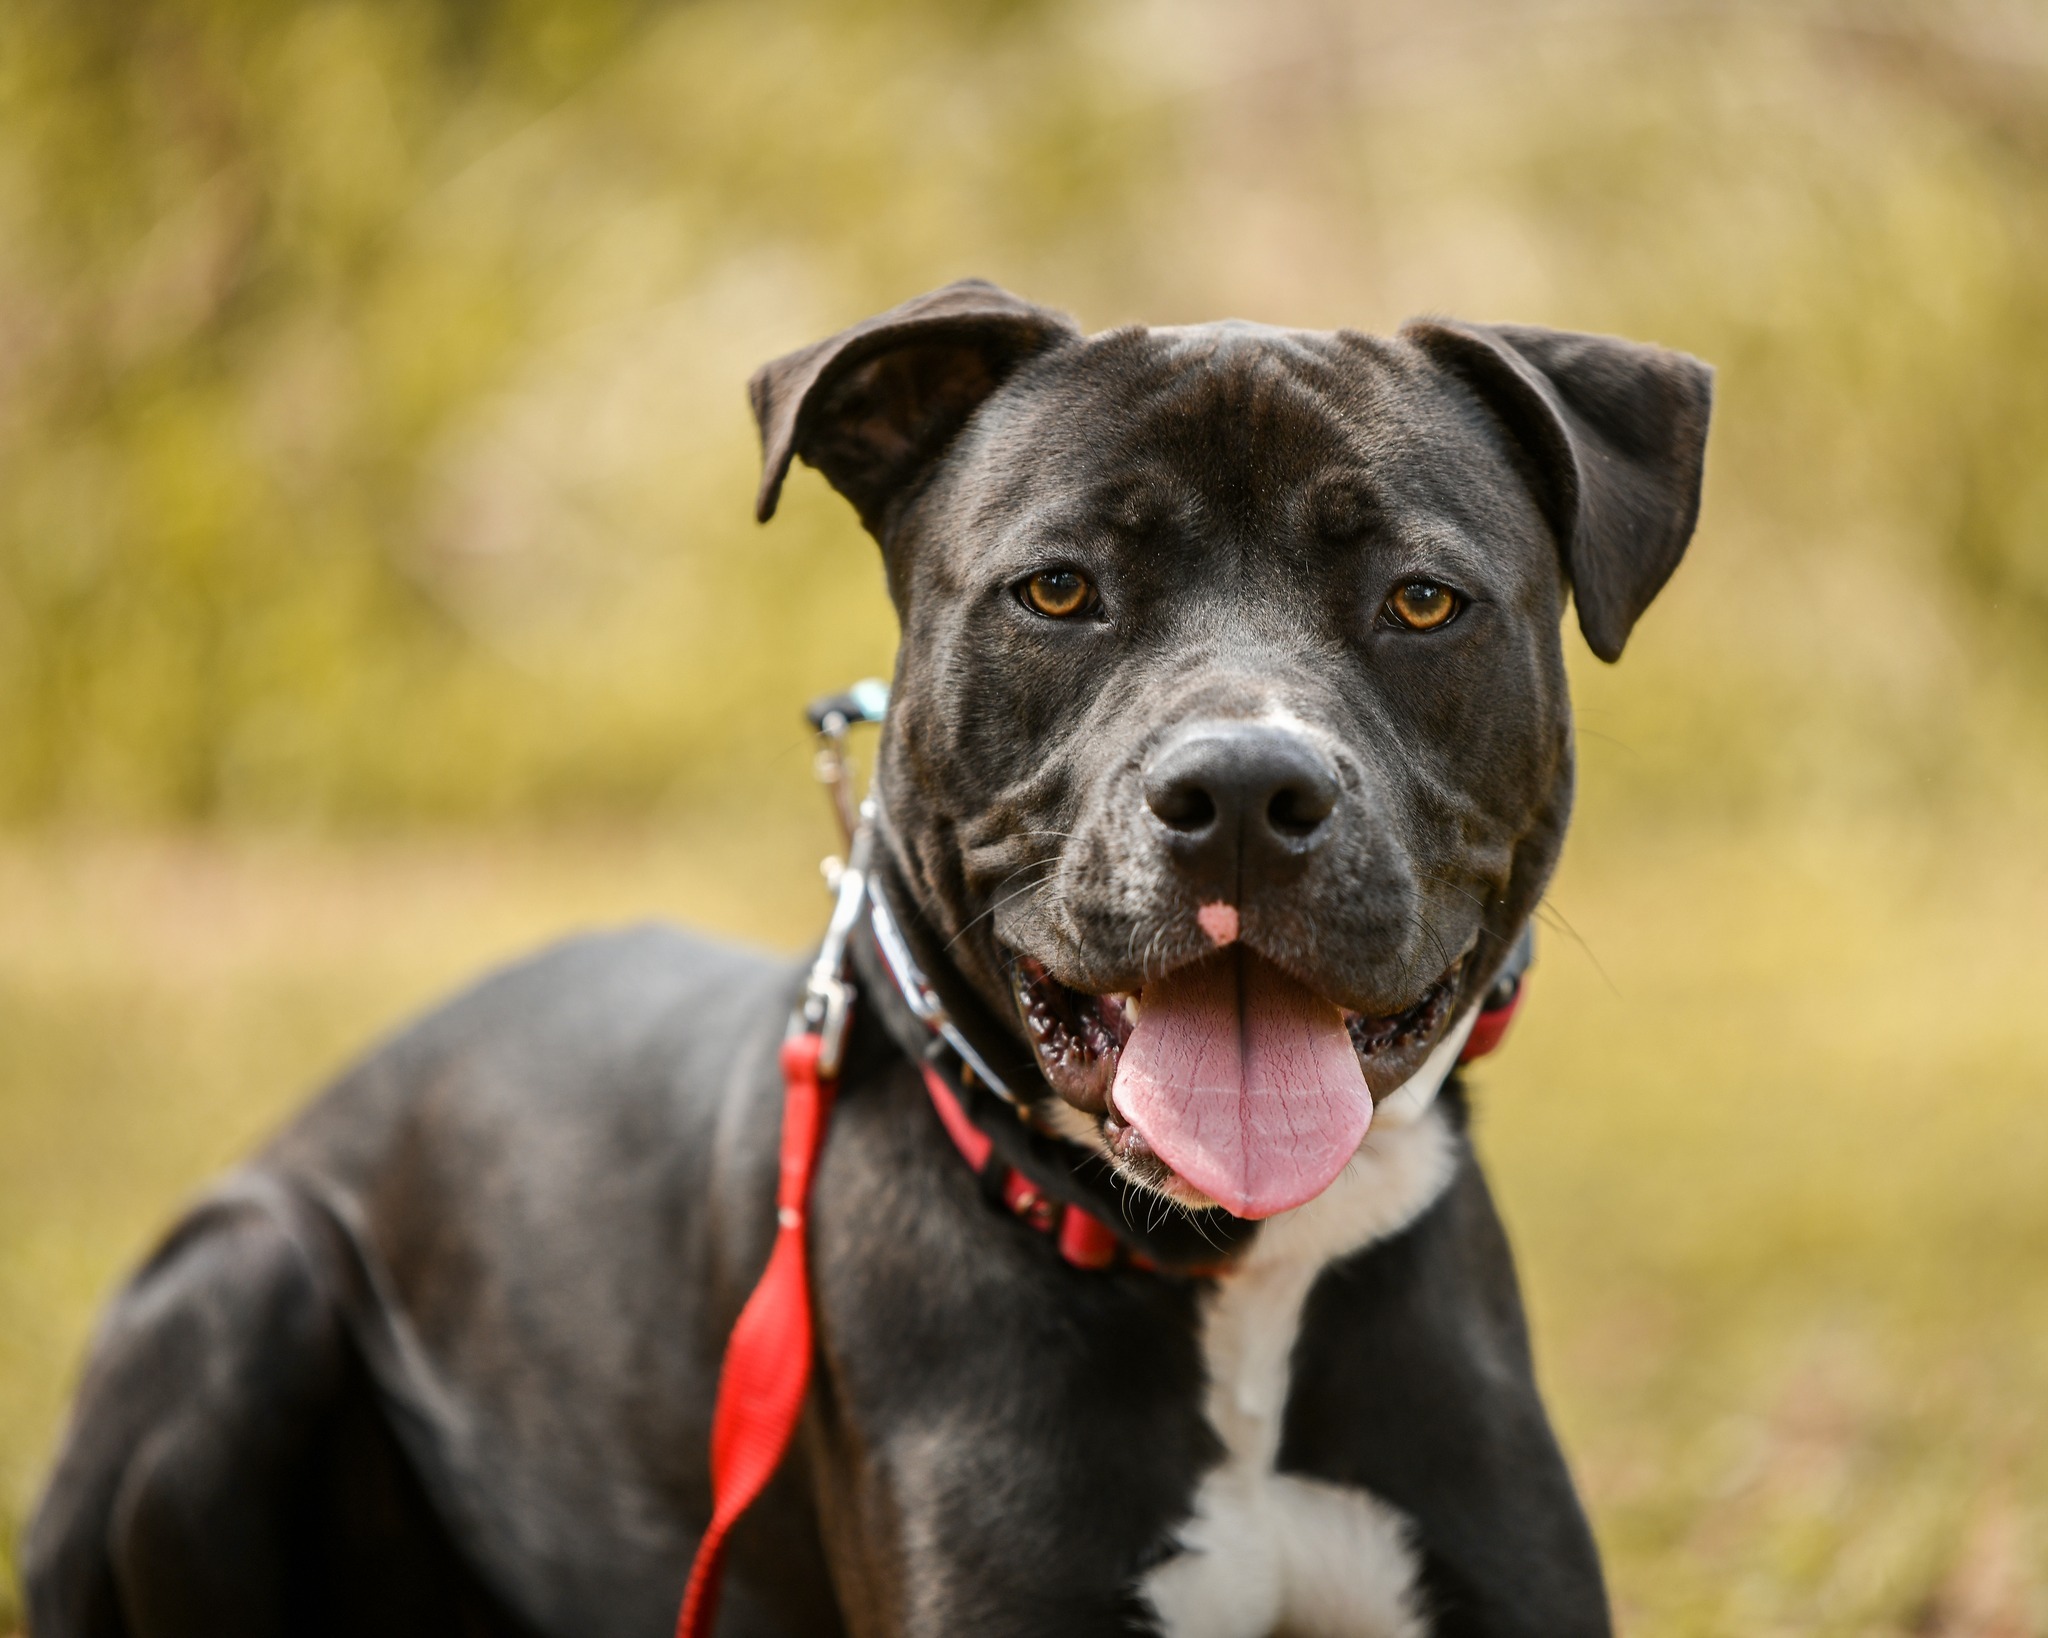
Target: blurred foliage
{"x":373,"y":437}
{"x":372,"y":444}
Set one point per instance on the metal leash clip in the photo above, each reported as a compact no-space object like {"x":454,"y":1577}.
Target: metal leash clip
{"x":828,"y":995}
{"x":831,"y":718}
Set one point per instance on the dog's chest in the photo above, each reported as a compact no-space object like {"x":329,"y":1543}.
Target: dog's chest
{"x":1267,"y":1553}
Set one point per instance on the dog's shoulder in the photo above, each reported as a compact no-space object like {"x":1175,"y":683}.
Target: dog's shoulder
{"x":623,"y":978}
{"x":604,"y":1047}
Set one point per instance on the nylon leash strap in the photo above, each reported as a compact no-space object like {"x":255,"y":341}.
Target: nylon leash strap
{"x":767,"y":1366}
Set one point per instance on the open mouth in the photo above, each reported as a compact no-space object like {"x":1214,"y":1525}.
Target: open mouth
{"x":1226,"y":1082}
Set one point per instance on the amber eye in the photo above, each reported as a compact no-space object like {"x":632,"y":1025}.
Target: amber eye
{"x":1422,"y":605}
{"x":1059,"y":594}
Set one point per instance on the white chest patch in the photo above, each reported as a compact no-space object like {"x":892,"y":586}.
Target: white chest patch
{"x":1269,"y":1553}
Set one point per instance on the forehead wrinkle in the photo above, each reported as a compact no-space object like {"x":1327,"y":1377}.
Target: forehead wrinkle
{"x":1141,"y":397}
{"x":1241,"y":422}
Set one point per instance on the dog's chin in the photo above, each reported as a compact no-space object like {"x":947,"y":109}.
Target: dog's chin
{"x":1109,"y":1136}
{"x":1078,"y":1040}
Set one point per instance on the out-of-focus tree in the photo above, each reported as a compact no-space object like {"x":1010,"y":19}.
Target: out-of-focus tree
{"x":371,"y":434}
{"x":371,"y":440}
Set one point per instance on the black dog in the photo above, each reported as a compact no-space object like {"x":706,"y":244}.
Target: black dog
{"x":1228,"y":756}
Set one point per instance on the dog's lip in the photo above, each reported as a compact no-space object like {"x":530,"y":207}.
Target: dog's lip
{"x":1077,"y":1035}
{"x":1029,"y":969}
{"x":1135,"y":1159}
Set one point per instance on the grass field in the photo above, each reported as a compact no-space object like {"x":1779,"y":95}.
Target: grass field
{"x":1772,"y":1138}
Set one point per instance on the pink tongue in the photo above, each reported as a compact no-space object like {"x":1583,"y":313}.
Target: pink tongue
{"x":1244,"y":1082}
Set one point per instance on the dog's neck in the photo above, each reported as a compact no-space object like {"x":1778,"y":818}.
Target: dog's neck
{"x":916,"y":955}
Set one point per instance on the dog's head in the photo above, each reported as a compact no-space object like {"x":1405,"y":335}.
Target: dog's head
{"x":1229,"y":746}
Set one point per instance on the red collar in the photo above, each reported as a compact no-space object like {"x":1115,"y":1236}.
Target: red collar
{"x":1490,"y":1028}
{"x":1084,"y":1239}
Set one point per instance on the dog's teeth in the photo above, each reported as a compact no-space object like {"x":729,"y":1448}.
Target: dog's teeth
{"x":1129,"y":1003}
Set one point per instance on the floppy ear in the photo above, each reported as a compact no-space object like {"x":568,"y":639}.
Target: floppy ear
{"x":1616,"y":436}
{"x":873,"y":406}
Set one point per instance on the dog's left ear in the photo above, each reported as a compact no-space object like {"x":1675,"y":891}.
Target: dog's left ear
{"x":873,"y":406}
{"x":1616,"y":433}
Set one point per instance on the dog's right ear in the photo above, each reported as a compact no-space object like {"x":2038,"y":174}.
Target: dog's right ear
{"x":1616,"y":436}
{"x":873,"y":406}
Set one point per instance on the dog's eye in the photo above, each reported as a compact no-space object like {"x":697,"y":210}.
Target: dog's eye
{"x":1059,"y":594}
{"x":1422,"y":605}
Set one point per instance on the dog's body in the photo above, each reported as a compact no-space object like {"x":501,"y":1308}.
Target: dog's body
{"x":442,"y":1359}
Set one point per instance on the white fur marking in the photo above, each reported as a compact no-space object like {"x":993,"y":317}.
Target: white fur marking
{"x":1288,"y":1554}
{"x":1269,"y":1552}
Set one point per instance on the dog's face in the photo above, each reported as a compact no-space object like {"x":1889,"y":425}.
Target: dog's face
{"x":1229,"y":747}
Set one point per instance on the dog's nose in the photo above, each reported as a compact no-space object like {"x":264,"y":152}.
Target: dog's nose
{"x":1240,"y":799}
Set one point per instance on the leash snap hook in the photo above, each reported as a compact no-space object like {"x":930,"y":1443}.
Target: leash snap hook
{"x":827,"y":1008}
{"x":828,"y":993}
{"x":831,"y":718}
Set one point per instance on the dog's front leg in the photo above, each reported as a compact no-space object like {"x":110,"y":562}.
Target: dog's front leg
{"x":927,"y":1539}
{"x":1000,"y":1444}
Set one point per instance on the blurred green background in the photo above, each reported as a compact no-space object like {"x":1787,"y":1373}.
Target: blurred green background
{"x":379,"y":594}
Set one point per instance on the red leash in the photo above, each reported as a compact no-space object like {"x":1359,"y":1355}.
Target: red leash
{"x":768,"y":1359}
